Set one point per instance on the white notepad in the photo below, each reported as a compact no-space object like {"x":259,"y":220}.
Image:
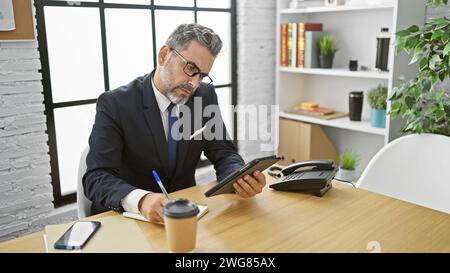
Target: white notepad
{"x":203,"y":210}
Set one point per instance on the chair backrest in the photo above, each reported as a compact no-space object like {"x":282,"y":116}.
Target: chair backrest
{"x":83,"y":204}
{"x":412,"y":168}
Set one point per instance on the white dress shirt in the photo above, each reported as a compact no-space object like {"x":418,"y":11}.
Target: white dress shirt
{"x":131,"y":201}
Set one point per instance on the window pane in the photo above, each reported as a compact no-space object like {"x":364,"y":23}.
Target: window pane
{"x":73,"y":127}
{"x":226,"y":108}
{"x":130,"y":53}
{"x":74,"y":52}
{"x":221,"y":4}
{"x":220,"y":23}
{"x":180,"y":3}
{"x":167,"y":20}
{"x":79,"y":1}
{"x":139,"y":2}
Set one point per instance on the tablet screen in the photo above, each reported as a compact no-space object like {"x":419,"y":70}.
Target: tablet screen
{"x":258,"y":164}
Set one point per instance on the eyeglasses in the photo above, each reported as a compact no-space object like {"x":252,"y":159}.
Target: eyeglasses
{"x":192,"y":70}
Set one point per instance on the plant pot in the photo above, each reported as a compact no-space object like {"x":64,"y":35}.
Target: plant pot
{"x":346,"y":175}
{"x":326,"y":61}
{"x":378,"y":118}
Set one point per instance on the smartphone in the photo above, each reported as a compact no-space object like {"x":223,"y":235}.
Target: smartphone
{"x":77,"y":235}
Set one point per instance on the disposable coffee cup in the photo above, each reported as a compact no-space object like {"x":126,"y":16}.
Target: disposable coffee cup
{"x":180,"y":220}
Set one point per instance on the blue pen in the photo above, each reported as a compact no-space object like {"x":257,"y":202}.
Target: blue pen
{"x":160,"y":184}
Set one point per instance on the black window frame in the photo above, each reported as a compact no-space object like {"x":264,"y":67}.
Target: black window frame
{"x":60,"y":200}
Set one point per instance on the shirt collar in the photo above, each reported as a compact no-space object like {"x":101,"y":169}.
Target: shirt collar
{"x":163,"y":101}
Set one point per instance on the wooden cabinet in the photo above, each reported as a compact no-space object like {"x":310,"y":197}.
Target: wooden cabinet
{"x":300,"y":141}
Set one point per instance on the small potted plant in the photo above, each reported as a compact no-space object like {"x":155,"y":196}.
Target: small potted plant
{"x":347,"y":165}
{"x":327,"y":49}
{"x":377,"y":99}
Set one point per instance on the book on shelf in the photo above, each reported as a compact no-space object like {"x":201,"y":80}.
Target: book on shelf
{"x":294,"y":45}
{"x":311,"y":53}
{"x":320,"y":111}
{"x":295,"y":40}
{"x":302,"y":28}
{"x":283,"y":47}
{"x":289,"y":44}
{"x":311,"y":108}
{"x":334,"y":115}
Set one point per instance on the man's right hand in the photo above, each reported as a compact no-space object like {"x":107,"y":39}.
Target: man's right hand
{"x":151,"y":206}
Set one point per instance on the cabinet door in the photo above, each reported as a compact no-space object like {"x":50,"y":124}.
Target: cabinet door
{"x":286,"y":147}
{"x":301,"y":141}
{"x":295,"y":141}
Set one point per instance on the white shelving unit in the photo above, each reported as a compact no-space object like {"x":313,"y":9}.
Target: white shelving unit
{"x":340,"y":72}
{"x":354,"y":29}
{"x":344,"y":8}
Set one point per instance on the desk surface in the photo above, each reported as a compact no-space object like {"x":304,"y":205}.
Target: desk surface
{"x":346,"y":219}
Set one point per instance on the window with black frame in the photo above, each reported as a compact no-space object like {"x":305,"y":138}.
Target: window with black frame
{"x":91,"y":46}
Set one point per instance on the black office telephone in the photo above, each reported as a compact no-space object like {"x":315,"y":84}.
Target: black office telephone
{"x":312,"y":176}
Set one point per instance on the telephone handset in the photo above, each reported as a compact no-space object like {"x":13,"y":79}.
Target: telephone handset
{"x":315,"y":179}
{"x":316,"y":164}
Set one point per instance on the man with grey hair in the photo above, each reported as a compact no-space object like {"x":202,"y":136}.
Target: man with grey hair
{"x":132,"y":133}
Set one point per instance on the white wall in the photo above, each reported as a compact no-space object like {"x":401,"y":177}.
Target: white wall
{"x":256,"y":62}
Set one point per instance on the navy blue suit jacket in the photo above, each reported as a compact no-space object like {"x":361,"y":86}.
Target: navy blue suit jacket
{"x":127,"y":142}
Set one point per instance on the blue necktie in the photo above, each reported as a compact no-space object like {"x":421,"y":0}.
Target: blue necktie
{"x":171,"y":142}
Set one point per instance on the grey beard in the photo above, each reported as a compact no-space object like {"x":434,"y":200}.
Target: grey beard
{"x":172,"y":96}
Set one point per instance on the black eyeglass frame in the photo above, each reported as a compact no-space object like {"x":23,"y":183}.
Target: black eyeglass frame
{"x":186,"y":70}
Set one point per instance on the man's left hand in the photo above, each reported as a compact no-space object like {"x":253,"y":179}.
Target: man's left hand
{"x":250,"y":185}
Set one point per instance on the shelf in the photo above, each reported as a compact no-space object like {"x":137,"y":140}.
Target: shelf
{"x":344,"y":8}
{"x":338,"y":72}
{"x":343,"y":123}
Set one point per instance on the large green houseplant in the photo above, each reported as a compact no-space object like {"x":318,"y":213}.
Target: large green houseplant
{"x":421,"y":101}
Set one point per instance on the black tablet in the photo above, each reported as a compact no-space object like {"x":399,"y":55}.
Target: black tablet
{"x":226,"y":185}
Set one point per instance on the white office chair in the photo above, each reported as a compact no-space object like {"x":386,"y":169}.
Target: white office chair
{"x":83,"y":204}
{"x":413,"y":168}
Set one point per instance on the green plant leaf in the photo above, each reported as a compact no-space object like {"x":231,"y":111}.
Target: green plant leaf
{"x":402,"y":33}
{"x":441,"y":24}
{"x":434,"y":60}
{"x":446,"y":49}
{"x":413,"y":28}
{"x":426,"y":85}
{"x":423,"y":64}
{"x":427,"y":35}
{"x":432,"y":109}
{"x":439,"y":114}
{"x":409,"y":101}
{"x":437,"y":34}
{"x":417,"y":55}
{"x":439,"y":21}
{"x":417,"y":94}
{"x":442,"y":75}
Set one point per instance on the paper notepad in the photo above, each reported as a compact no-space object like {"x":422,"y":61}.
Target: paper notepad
{"x":203,"y":210}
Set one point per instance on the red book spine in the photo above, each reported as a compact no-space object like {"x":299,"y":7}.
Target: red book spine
{"x":283,"y":47}
{"x":313,"y":27}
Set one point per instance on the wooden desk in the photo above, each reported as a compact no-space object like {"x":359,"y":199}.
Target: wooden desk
{"x":344,"y":220}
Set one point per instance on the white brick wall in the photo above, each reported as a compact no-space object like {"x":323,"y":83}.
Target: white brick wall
{"x":25,"y":184}
{"x":256,"y":61}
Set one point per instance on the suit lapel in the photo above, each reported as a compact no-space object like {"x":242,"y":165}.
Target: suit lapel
{"x":153,"y":117}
